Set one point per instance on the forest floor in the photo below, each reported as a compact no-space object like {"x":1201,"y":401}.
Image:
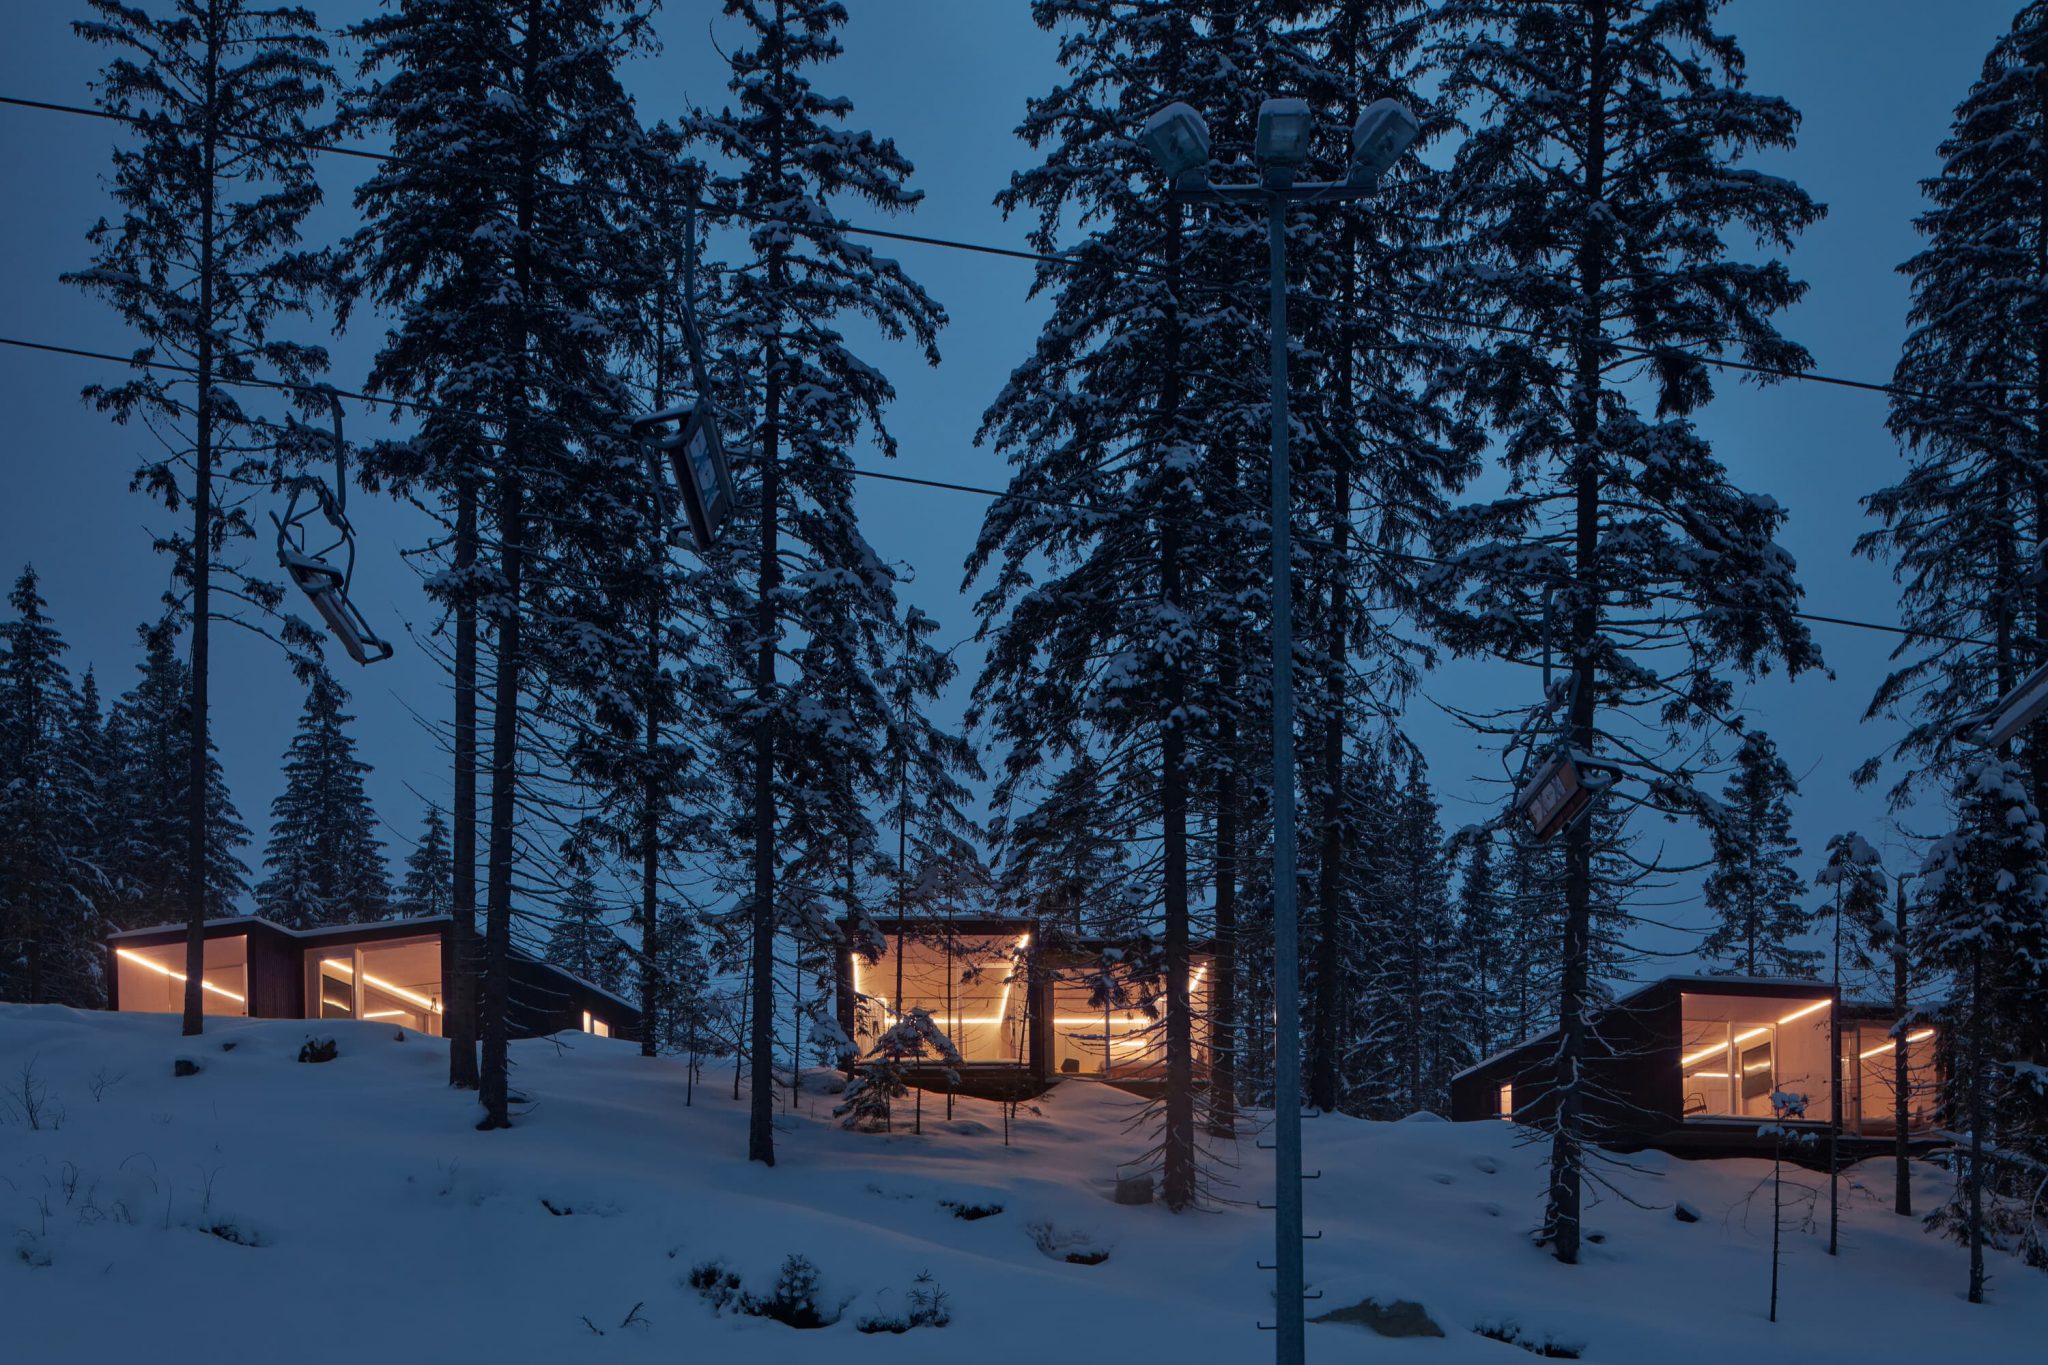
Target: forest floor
{"x":267,"y":1209}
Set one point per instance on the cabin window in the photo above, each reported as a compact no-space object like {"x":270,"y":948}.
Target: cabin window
{"x":152,"y":980}
{"x":396,"y":981}
{"x":594,"y":1025}
{"x":1738,"y":1050}
{"x":1507,"y":1100}
{"x":1870,"y":1078}
{"x":1107,"y":1022}
{"x":973,"y":985}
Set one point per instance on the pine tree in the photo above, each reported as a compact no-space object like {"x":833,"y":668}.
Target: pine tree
{"x":498,"y":281}
{"x":1596,"y":197}
{"x":202,"y":263}
{"x":823,"y":600}
{"x":1966,"y":526}
{"x":1754,"y":891}
{"x":429,"y":871}
{"x":325,"y":860}
{"x":49,"y":817}
{"x":149,"y":733}
{"x":582,"y":940}
{"x":1482,"y":956}
{"x":1985,"y":927}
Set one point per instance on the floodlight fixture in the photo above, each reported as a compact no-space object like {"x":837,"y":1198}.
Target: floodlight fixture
{"x":1178,"y":139}
{"x":2017,"y":710}
{"x":688,"y":436}
{"x":1285,"y":127}
{"x":1385,"y":129}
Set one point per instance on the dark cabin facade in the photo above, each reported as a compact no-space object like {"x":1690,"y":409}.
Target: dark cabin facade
{"x":1026,"y":1006}
{"x":390,"y":972}
{"x":1688,"y":1065}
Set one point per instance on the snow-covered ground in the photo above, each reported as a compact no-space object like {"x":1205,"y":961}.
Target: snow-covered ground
{"x":381,"y":1226}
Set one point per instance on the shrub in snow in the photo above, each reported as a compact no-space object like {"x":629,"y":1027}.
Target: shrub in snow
{"x":880,"y":1078}
{"x":1550,"y":1348}
{"x":319,"y":1050}
{"x":1073,"y":1245}
{"x":716,"y":1285}
{"x":927,"y":1306}
{"x":794,"y":1301}
{"x":795,"y":1297}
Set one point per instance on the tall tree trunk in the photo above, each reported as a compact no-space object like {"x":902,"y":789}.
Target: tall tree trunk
{"x":1324,"y":1043}
{"x":495,"y":1082}
{"x":1980,"y":1114}
{"x":1902,"y":1184}
{"x":461,"y":1017}
{"x":761,"y":1041}
{"x":202,"y":552}
{"x":1223,"y":969}
{"x":1567,"y":1156}
{"x":650,"y":825}
{"x":1179,"y":1156}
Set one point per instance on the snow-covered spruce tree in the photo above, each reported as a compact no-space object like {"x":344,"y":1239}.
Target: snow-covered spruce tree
{"x":582,"y":940}
{"x":781,"y":157}
{"x":1965,"y":527}
{"x":1856,"y":909}
{"x":496,"y":273}
{"x":429,"y":871}
{"x":1379,"y":453}
{"x":149,"y":733}
{"x":202,"y":261}
{"x":1754,"y":891}
{"x":50,"y":820}
{"x":324,"y":859}
{"x":1596,"y":195}
{"x":1985,"y":927}
{"x":1484,"y":944}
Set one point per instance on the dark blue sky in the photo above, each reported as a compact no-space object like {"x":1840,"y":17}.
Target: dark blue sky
{"x":1875,"y":79}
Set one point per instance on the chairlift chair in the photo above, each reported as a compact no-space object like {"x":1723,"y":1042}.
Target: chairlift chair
{"x":313,"y":570}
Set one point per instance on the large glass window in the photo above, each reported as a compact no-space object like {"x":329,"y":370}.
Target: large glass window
{"x":152,"y":980}
{"x":1105,"y":1023}
{"x":972,"y":985}
{"x":395,"y":982}
{"x":1737,"y":1050}
{"x":1870,"y":1079}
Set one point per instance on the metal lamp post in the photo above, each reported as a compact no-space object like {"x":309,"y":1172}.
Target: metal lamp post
{"x":1178,"y":141}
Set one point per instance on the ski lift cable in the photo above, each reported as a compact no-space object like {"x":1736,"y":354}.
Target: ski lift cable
{"x":1076,"y":263}
{"x":941,"y":485}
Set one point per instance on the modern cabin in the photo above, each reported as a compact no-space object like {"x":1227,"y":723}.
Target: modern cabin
{"x":390,"y":971}
{"x":1688,"y":1065}
{"x":1025,"y":1007}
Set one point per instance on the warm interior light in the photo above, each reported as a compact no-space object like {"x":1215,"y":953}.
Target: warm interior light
{"x":387,"y":1014}
{"x":1710,"y":1075}
{"x":161,"y":970}
{"x":1922,"y":1036}
{"x":1707,"y":1052}
{"x":1757,"y":1032}
{"x":425,"y":1003}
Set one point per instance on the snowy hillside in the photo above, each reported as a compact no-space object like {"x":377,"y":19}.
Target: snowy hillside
{"x":356,"y":1216}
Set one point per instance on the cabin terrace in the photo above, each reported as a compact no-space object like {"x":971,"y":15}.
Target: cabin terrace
{"x":1688,"y":1064}
{"x":389,"y":971}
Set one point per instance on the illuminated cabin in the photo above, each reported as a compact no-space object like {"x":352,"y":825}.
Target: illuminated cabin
{"x":1688,"y":1065}
{"x":1024,"y":1009}
{"x":390,"y":972}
